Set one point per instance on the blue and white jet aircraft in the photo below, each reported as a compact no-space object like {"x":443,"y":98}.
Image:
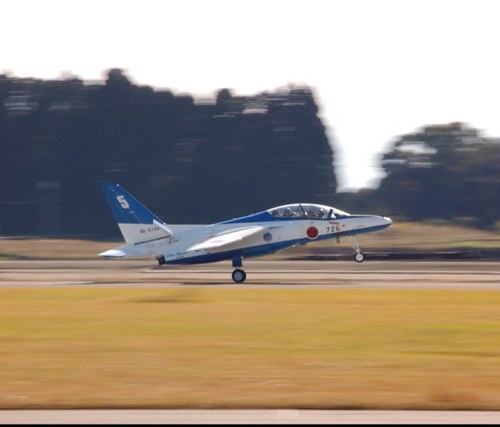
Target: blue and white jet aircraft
{"x":262,"y":233}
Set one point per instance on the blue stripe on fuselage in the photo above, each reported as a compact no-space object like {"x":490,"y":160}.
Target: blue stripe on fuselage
{"x":267,"y":248}
{"x":244,"y":253}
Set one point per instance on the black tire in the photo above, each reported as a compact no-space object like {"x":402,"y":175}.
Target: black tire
{"x":239,"y":275}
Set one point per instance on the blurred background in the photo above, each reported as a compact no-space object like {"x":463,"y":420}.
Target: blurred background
{"x":209,"y":110}
{"x":201,"y":161}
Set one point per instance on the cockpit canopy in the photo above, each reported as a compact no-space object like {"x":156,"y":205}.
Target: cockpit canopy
{"x":306,"y":210}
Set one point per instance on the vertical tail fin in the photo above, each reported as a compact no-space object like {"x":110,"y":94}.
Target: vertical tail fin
{"x":136,"y":222}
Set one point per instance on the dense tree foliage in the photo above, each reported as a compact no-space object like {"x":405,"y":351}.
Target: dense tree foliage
{"x":188,"y":161}
{"x":443,"y":171}
{"x":203,"y":161}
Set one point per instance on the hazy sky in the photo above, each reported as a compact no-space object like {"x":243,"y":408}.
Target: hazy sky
{"x":379,"y":68}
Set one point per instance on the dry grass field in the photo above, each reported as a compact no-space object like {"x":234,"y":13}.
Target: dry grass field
{"x":215,"y":347}
{"x":88,"y":346}
{"x":32,"y":248}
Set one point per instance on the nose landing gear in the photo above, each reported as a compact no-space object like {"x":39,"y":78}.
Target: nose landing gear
{"x":358,"y":255}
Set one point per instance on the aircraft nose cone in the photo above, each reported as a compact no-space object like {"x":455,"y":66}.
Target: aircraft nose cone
{"x":389,"y":221}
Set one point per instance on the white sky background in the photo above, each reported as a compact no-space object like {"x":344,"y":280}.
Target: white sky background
{"x":379,"y":68}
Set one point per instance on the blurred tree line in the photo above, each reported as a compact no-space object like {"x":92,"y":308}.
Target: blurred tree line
{"x":210,"y":160}
{"x":446,"y":171}
{"x":189,"y":162}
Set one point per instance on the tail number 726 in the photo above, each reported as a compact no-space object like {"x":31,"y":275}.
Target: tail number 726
{"x":333,"y":228}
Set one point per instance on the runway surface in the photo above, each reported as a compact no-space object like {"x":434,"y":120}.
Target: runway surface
{"x":259,"y":416}
{"x":371,"y":274}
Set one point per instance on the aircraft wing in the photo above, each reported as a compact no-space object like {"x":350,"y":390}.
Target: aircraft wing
{"x":222,"y":240}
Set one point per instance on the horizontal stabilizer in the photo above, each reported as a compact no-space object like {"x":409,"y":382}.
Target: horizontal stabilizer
{"x":113,"y":253}
{"x":127,"y":251}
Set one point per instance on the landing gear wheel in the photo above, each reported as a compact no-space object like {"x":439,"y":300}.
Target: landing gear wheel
{"x":239,"y":275}
{"x":359,"y":257}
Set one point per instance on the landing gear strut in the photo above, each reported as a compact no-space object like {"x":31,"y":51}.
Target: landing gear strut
{"x":239,"y":274}
{"x":358,"y":255}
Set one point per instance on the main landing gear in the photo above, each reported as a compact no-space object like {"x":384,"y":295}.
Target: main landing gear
{"x":358,"y":255}
{"x":239,"y":274}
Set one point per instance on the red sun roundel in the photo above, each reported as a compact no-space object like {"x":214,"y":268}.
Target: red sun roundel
{"x":312,"y":232}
